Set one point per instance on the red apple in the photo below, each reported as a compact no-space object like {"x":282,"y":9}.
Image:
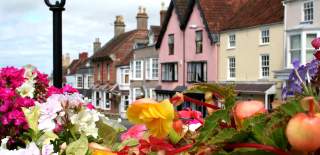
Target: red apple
{"x":246,"y":109}
{"x":303,"y":132}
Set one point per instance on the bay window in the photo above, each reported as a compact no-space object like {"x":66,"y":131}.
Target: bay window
{"x":309,"y":48}
{"x":295,"y":47}
{"x":169,"y":72}
{"x":197,"y":72}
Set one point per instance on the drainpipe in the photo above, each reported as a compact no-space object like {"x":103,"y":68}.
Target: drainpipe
{"x":184,"y":60}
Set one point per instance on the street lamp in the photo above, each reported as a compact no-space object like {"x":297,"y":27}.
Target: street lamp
{"x":57,"y":6}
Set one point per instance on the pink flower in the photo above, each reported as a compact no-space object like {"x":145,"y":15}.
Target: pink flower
{"x":17,"y":117}
{"x":69,"y":89}
{"x":53,"y":90}
{"x":316,"y":43}
{"x":13,"y":77}
{"x":58,"y":128}
{"x":193,"y":116}
{"x":90,"y":106}
{"x":135,"y":131}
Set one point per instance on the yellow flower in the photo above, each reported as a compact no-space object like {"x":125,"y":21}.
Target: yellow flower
{"x":157,"y":117}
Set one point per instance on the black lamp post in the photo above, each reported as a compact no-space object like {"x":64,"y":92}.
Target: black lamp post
{"x":57,"y":9}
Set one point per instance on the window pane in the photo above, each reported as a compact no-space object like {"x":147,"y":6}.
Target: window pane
{"x":295,"y":55}
{"x":295,"y":42}
{"x":310,"y":55}
{"x":310,"y":37}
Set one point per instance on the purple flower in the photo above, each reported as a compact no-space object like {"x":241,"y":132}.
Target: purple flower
{"x":296,"y":63}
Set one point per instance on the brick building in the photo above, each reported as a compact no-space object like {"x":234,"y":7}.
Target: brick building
{"x":106,"y":94}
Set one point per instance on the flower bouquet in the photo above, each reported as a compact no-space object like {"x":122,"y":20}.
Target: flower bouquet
{"x":41,"y":120}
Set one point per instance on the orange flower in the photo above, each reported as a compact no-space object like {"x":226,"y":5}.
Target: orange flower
{"x":98,"y":149}
{"x":157,"y":117}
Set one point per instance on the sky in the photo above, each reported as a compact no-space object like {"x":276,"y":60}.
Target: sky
{"x":26,"y":27}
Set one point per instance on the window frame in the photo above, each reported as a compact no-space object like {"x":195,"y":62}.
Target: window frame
{"x":311,"y":49}
{"x":99,"y":72}
{"x":175,"y":73}
{"x":229,"y":68}
{"x":89,"y":81}
{"x":171,"y":44}
{"x":229,"y":41}
{"x":200,"y":42}
{"x":295,"y":50}
{"x":263,"y":66}
{"x":135,"y":70}
{"x":107,"y":101}
{"x":134,"y":93}
{"x":108,"y":72}
{"x":81,"y":86}
{"x":304,"y":10}
{"x":262,"y":37}
{"x":194,"y":69}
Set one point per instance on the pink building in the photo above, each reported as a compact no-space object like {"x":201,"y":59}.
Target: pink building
{"x":188,"y":43}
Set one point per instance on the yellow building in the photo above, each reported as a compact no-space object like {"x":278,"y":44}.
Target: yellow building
{"x":251,"y":48}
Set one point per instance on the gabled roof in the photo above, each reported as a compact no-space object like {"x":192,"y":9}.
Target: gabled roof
{"x":112,"y":46}
{"x":126,"y":60}
{"x":256,"y":12}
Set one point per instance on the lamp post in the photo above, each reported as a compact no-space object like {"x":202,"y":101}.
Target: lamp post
{"x":57,"y":7}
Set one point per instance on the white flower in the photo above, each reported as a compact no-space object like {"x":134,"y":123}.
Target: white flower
{"x":75,"y":100}
{"x":4,"y":142}
{"x":48,"y":112}
{"x":48,"y":150}
{"x":194,"y":127}
{"x":26,"y":89}
{"x":85,"y":121}
{"x":28,"y":72}
{"x":31,"y":149}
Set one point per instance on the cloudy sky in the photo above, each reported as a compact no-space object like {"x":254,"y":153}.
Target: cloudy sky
{"x":26,"y":27}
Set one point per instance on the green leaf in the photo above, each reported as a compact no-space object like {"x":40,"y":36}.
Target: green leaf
{"x":211,"y":123}
{"x":280,"y":138}
{"x":129,"y":142}
{"x":291,"y":108}
{"x":78,"y":147}
{"x":32,"y":115}
{"x":228,"y":135}
{"x":46,"y":138}
{"x":107,"y":133}
{"x":113,"y":123}
{"x":174,"y":136}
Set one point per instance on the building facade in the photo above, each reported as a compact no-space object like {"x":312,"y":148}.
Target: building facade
{"x":107,"y":59}
{"x":251,"y":46}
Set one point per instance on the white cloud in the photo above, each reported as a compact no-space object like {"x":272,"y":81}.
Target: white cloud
{"x":26,"y":27}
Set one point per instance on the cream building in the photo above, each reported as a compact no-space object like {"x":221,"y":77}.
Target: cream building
{"x":251,"y":48}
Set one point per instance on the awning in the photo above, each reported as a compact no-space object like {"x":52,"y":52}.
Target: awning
{"x":255,"y":88}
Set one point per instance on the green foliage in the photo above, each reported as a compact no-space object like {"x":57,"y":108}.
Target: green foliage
{"x":174,"y":136}
{"x":78,"y":147}
{"x":32,"y":116}
{"x":106,"y":132}
{"x":129,"y":142}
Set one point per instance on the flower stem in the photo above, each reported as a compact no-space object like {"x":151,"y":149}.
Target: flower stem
{"x":257,"y":146}
{"x":200,"y":103}
{"x":181,"y":149}
{"x":311,"y":107}
{"x":302,"y":82}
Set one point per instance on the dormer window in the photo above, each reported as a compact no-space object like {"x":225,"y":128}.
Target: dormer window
{"x":171,"y":44}
{"x":308,"y":11}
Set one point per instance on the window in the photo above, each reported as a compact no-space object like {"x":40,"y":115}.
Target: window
{"x":90,"y":81}
{"x":97,"y":99}
{"x":199,"y":41}
{"x":139,"y":45}
{"x":295,"y":47}
{"x":169,"y":72}
{"x":309,"y":47}
{"x":265,"y":38}
{"x":152,"y":93}
{"x":197,"y":72}
{"x":137,"y":73}
{"x":137,"y":93}
{"x":308,"y":11}
{"x":79,"y":81}
{"x":171,"y":44}
{"x":124,"y":75}
{"x":126,"y":102}
{"x":98,"y":72}
{"x":265,"y":68}
{"x":108,"y":72}
{"x":152,"y":68}
{"x":232,"y":68}
{"x":107,"y":100}
{"x":232,"y":41}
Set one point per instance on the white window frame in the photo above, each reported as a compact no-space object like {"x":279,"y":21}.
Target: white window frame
{"x":105,"y":94}
{"x":152,"y":93}
{"x":150,"y":70}
{"x":123,"y":73}
{"x":232,"y":38}
{"x":262,"y":37}
{"x":263,"y":66}
{"x":79,"y":85}
{"x":306,"y":45}
{"x":304,"y":9}
{"x":135,"y":70}
{"x":89,"y":82}
{"x":229,"y":69}
{"x":291,"y":50}
{"x":134,"y":90}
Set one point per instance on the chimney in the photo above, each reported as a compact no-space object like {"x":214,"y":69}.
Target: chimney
{"x":66,"y":60}
{"x":163,"y":13}
{"x":83,"y":56}
{"x":142,"y":19}
{"x":96,"y":45}
{"x":119,"y":26}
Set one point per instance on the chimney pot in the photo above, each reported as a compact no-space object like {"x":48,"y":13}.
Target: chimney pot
{"x":119,"y":26}
{"x":96,"y":45}
{"x":163,"y":13}
{"x":142,"y":19}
